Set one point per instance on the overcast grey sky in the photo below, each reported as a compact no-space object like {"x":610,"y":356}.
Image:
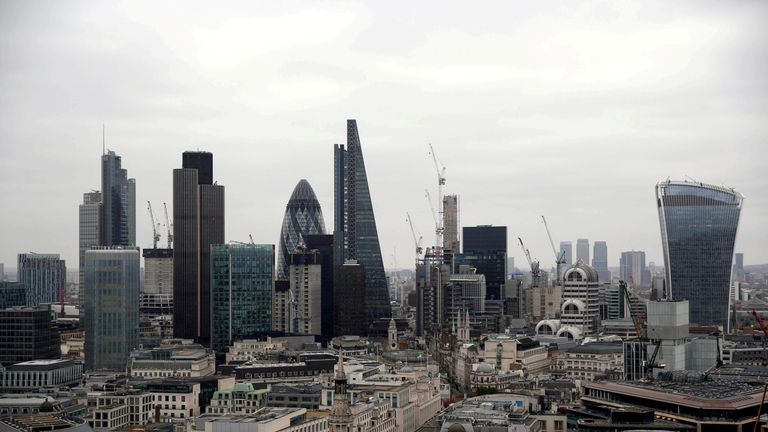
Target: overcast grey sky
{"x":569,"y":109}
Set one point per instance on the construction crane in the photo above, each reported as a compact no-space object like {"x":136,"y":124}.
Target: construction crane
{"x":440,"y":170}
{"x":155,"y":227}
{"x":651,"y":364}
{"x":625,"y":293}
{"x":559,"y":258}
{"x":169,"y":227}
{"x":416,"y":242}
{"x":535,"y":270}
{"x":437,"y":248}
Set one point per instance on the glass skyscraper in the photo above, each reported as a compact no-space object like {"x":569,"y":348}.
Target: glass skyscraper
{"x":698,"y":232}
{"x":485,"y":248}
{"x":303,"y":217}
{"x":111,"y":307}
{"x":241,"y":291}
{"x":355,"y":231}
{"x":118,"y":208}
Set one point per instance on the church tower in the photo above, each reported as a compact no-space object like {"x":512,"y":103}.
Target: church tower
{"x":392,"y":335}
{"x":341,"y":415}
{"x":463,"y":332}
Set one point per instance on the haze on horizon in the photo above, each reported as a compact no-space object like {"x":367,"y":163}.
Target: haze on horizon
{"x":574,"y":110}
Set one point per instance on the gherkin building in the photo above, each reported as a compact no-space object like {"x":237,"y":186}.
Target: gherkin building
{"x":302,"y":217}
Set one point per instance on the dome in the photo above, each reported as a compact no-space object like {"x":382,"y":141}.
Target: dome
{"x":484,"y":368}
{"x":581,"y":272}
{"x":303,"y":216}
{"x":457,"y":427}
{"x":46,"y":407}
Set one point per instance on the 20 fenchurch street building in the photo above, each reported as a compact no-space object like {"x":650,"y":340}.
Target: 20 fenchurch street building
{"x":698,"y":231}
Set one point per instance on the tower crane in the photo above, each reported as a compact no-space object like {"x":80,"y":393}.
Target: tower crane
{"x":169,"y":227}
{"x":535,"y":270}
{"x":416,"y":242}
{"x":437,"y":248}
{"x":559,"y":258}
{"x":155,"y":227}
{"x":440,"y":170}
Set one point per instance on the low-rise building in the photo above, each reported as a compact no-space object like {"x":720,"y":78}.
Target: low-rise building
{"x":588,"y":361}
{"x":296,"y":395}
{"x":491,"y":413}
{"x":172,"y":360}
{"x":242,"y":399}
{"x":507,"y":353}
{"x":254,"y":349}
{"x":35,"y":374}
{"x":265,"y":420}
{"x":692,"y":399}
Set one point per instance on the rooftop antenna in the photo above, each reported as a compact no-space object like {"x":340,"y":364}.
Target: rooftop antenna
{"x":103,"y":140}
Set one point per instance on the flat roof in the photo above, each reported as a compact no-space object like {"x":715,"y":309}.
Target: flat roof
{"x":710,"y":394}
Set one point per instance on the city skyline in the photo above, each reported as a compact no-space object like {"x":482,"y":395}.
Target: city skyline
{"x":492,"y":122}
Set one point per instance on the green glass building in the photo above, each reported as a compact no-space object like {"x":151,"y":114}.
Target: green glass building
{"x":242,"y":278}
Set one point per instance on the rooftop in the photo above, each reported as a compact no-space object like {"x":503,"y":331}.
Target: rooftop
{"x":706,"y":393}
{"x":598,"y":348}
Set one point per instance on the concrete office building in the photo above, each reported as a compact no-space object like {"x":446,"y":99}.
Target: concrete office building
{"x":198,"y":223}
{"x":111,"y":307}
{"x":580,"y":311}
{"x":324,"y":245}
{"x":698,"y":232}
{"x":31,"y":376}
{"x":157,"y":292}
{"x":451,"y":244}
{"x":43,"y":275}
{"x":305,"y":284}
{"x":241,"y":291}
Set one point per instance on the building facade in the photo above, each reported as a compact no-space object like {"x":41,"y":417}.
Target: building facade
{"x":600,"y":261}
{"x":111,"y":307}
{"x":30,"y":376}
{"x":44,"y":276}
{"x":632,"y":267}
{"x":241,"y":293}
{"x":582,"y":250}
{"x":305,"y":284}
{"x":566,"y":248}
{"x":12,"y":294}
{"x":349,"y":294}
{"x":89,"y":213}
{"x":117,"y":224}
{"x":698,"y":232}
{"x":324,"y":245}
{"x":580,"y":309}
{"x":303,"y":217}
{"x":198,"y":223}
{"x":485,"y":248}
{"x":27,"y":333}
{"x":355,"y":233}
